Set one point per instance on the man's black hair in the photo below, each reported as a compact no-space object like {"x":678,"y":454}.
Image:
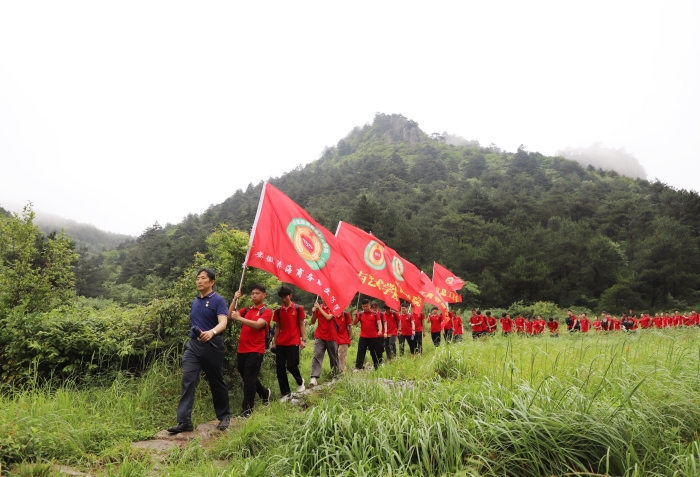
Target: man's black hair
{"x":259,"y":287}
{"x":284,"y":291}
{"x":504,"y":315}
{"x":488,"y":313}
{"x":365,"y":301}
{"x":478,"y":312}
{"x":210,"y":273}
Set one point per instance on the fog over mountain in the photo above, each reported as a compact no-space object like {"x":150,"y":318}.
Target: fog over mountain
{"x":605,"y":158}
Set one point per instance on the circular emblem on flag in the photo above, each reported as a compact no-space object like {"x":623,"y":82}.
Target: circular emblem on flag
{"x":397,"y":269}
{"x":309,"y":243}
{"x":450,"y":280}
{"x":374,"y":255}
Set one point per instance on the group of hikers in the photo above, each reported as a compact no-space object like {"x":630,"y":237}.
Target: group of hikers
{"x":382,"y":332}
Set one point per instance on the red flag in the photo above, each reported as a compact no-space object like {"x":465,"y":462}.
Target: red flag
{"x":288,"y":243}
{"x":380,"y":269}
{"x":431,"y":294}
{"x":447,"y":283}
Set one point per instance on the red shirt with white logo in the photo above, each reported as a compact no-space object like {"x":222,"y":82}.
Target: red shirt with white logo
{"x":392,"y":326}
{"x":418,"y":319}
{"x":435,"y":323}
{"x":457,"y":323}
{"x":406,"y":320}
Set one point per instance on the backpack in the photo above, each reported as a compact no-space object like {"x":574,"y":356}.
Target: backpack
{"x":270,"y":330}
{"x":344,"y":314}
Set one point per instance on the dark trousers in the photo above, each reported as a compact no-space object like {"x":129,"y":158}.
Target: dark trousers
{"x":419,"y":342}
{"x":287,"y":359}
{"x":436,"y":338}
{"x":249,"y":366}
{"x":390,"y":346}
{"x":363,"y":345}
{"x":448,"y":335}
{"x":205,"y":357}
{"x":457,"y":338}
{"x":411,"y":344}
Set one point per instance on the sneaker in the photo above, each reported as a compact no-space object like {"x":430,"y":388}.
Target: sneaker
{"x":181,"y":427}
{"x":224,"y":423}
{"x":245,"y":414}
{"x":286,"y":398}
{"x":301,"y":387}
{"x":266,"y":400}
{"x":313,"y":382}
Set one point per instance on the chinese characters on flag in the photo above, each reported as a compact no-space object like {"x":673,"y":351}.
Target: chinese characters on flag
{"x":447,"y":283}
{"x":381,"y":270}
{"x":288,"y":243}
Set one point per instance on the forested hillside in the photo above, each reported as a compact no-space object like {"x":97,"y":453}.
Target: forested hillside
{"x":522,"y":226}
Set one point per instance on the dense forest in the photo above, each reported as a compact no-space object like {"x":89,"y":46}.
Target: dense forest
{"x":522,"y":226}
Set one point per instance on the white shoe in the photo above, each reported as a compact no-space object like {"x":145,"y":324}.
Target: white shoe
{"x":313,"y":382}
{"x":301,"y":387}
{"x":286,"y":398}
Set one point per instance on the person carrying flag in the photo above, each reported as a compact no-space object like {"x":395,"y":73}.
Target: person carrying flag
{"x":325,"y":339}
{"x":371,"y":338}
{"x":391,"y":328}
{"x":407,"y":330}
{"x":343,"y":324}
{"x":418,"y":320}
{"x":435,"y":326}
{"x":255,"y":322}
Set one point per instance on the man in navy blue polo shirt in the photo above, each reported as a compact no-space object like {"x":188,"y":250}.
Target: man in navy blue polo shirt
{"x":204,"y":352}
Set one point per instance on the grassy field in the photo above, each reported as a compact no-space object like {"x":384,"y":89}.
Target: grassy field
{"x":614,"y":404}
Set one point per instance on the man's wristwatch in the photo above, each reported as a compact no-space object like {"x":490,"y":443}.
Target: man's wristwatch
{"x":213,"y":330}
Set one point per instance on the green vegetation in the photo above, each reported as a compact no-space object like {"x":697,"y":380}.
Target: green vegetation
{"x":521,"y":226}
{"x":597,"y":404}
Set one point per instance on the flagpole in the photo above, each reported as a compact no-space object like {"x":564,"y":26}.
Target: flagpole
{"x":433,"y":278}
{"x":250,"y":242}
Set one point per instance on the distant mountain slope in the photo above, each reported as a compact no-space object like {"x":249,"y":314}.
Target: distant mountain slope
{"x":521,"y":225}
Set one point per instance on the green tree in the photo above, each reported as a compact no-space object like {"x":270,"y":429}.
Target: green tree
{"x":36,"y":272}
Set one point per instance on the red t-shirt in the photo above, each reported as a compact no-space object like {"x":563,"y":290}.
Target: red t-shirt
{"x":288,"y":323}
{"x":418,"y":319}
{"x":477,"y":323}
{"x":406,"y":320}
{"x":528,"y":327}
{"x":616,"y":324}
{"x":368,"y":324}
{"x":392,"y":325}
{"x":644,"y":321}
{"x":491,"y":323}
{"x":325,"y":329}
{"x":585,"y":325}
{"x":252,"y":340}
{"x":447,"y":323}
{"x":506,"y":325}
{"x":658,"y":321}
{"x":435,"y":323}
{"x":597,"y":326}
{"x":520,"y":324}
{"x":553,"y":326}
{"x":457,"y":323}
{"x":343,"y":321}
{"x":539,"y":326}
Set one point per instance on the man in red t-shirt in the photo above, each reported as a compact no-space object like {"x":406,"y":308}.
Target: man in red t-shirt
{"x":343,"y":324}
{"x":371,"y":335}
{"x":597,"y":326}
{"x":448,"y":327}
{"x":418,"y":320}
{"x":529,"y":325}
{"x":645,"y":321}
{"x":407,"y":330}
{"x":288,"y":339}
{"x":477,"y":324}
{"x":458,"y":328}
{"x":435,"y":326}
{"x":325,"y":339}
{"x":506,"y":324}
{"x":585,"y":323}
{"x":255,"y":322}
{"x":539,"y":325}
{"x":391,"y":329}
{"x":553,"y":326}
{"x":490,"y":323}
{"x":519,"y":324}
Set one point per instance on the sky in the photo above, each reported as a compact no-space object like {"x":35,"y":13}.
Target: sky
{"x":123,"y":114}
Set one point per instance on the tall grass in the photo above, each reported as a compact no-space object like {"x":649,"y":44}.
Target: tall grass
{"x":618,"y":404}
